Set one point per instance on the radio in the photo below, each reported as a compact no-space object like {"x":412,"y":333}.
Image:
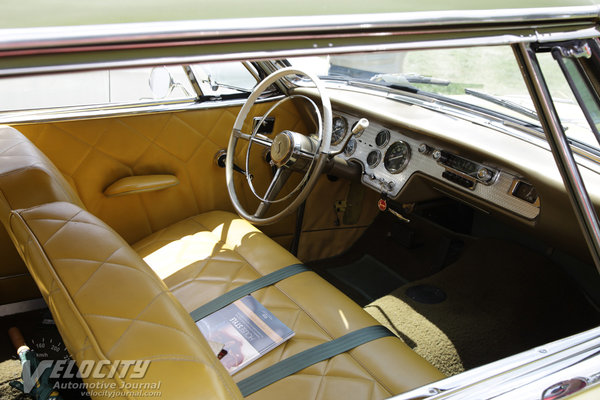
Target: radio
{"x":464,"y":172}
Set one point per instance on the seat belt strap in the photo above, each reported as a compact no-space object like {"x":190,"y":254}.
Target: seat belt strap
{"x":311,"y":356}
{"x":244,"y":290}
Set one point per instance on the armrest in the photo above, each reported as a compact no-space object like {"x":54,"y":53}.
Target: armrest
{"x":140,"y":183}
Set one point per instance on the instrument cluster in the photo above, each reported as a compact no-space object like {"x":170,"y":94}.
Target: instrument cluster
{"x":390,"y":157}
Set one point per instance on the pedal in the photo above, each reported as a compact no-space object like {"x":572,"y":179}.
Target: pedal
{"x":340,"y":206}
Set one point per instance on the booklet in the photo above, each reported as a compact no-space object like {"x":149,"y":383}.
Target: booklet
{"x":242,"y":332}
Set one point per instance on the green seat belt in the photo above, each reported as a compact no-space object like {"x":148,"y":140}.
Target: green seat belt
{"x":311,"y":356}
{"x":246,"y":289}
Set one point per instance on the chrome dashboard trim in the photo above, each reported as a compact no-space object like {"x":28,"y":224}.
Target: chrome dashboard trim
{"x":379,"y":179}
{"x":583,"y":157}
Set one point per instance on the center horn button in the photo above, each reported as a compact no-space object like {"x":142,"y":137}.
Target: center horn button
{"x":282,"y":148}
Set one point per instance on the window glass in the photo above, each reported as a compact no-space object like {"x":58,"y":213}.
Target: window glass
{"x":88,"y":88}
{"x":217,"y":79}
{"x":570,"y":113}
{"x":449,"y":72}
{"x":482,"y":76}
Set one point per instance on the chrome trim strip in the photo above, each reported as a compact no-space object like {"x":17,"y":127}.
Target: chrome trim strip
{"x":152,"y":32}
{"x":314,"y":50}
{"x":108,"y":111}
{"x":514,"y":372}
{"x":22,"y":306}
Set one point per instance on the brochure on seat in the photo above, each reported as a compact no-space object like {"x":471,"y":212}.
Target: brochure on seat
{"x":242,"y":332}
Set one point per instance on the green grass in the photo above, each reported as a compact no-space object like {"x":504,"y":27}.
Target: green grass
{"x":492,"y":70}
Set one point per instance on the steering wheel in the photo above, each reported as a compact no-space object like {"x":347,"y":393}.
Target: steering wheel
{"x":289,"y":151}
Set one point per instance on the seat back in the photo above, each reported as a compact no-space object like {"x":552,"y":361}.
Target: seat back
{"x":110,"y":307}
{"x":27,"y":177}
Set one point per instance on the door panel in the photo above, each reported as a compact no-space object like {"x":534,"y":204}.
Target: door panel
{"x":94,"y":153}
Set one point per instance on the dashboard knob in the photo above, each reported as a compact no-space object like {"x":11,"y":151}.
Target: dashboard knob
{"x":484,"y":174}
{"x":360,"y":126}
{"x":424,"y":149}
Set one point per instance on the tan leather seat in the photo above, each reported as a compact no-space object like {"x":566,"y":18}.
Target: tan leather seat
{"x":207,"y":255}
{"x":109,"y":305}
{"x":27,"y":178}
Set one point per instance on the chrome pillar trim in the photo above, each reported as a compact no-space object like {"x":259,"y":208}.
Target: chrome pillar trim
{"x":252,"y":70}
{"x":242,"y":28}
{"x":189,"y":72}
{"x":563,"y":155}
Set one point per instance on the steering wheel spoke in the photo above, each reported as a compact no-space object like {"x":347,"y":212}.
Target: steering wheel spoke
{"x":258,"y":138}
{"x":279,"y":179}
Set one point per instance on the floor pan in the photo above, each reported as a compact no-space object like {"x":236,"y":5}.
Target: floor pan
{"x":498,"y":299}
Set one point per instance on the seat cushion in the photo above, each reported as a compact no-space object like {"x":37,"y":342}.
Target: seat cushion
{"x":207,"y":255}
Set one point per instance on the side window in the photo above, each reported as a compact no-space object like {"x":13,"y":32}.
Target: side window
{"x":570,"y":113}
{"x":224,"y":78}
{"x":574,"y":100}
{"x":88,"y":88}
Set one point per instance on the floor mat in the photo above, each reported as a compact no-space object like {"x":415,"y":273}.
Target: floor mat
{"x":501,"y":299}
{"x":408,"y":251}
{"x":369,"y":277}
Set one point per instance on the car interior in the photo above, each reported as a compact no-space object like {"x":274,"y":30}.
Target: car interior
{"x":457,"y":238}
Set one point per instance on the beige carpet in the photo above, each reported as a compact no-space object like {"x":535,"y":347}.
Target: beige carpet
{"x":10,"y":370}
{"x":501,"y":299}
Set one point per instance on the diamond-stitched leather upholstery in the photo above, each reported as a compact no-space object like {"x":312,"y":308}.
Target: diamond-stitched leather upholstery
{"x":108,"y":305}
{"x":27,"y":178}
{"x":206,"y":255}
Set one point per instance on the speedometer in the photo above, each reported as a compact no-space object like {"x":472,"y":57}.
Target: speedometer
{"x":396,"y":157}
{"x":339,"y":128}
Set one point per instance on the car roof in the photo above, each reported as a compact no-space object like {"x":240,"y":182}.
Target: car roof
{"x":44,"y":13}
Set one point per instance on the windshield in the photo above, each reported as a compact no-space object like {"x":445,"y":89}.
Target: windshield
{"x":487,"y":77}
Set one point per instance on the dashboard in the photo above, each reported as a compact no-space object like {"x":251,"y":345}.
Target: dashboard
{"x":389,"y":157}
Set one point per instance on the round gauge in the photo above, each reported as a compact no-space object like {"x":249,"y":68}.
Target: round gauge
{"x":374,"y":158}
{"x":396,"y":157}
{"x":382,"y":138}
{"x":339,"y":129}
{"x":350,"y":147}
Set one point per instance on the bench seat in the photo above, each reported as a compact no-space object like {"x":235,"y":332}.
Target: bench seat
{"x":109,"y":304}
{"x":207,"y":255}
